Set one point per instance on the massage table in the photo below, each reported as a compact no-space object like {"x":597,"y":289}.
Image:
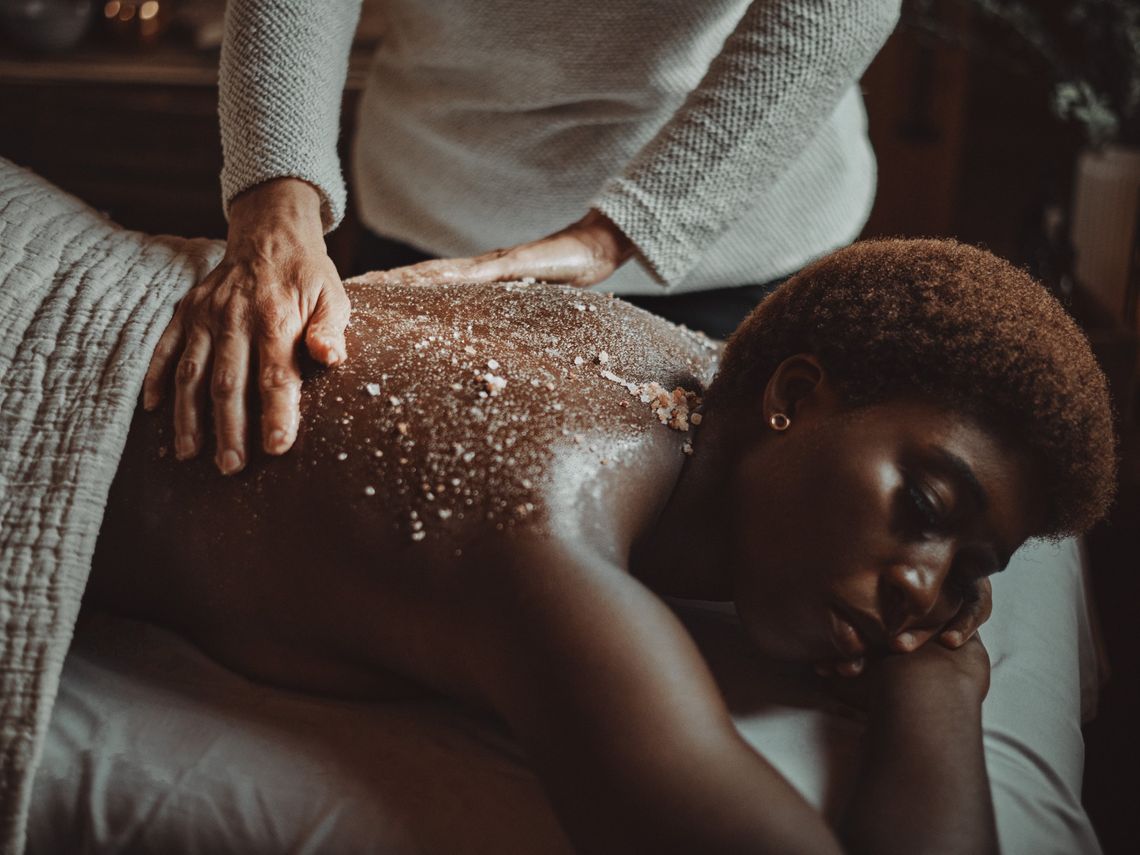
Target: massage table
{"x":153,"y":747}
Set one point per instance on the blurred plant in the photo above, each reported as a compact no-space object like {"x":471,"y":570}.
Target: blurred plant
{"x":1090,"y":49}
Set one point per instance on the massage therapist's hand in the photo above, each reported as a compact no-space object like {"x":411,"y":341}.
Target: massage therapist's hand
{"x":275,"y":286}
{"x":581,"y":254}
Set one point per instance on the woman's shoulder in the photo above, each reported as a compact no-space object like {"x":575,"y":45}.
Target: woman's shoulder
{"x":492,"y":403}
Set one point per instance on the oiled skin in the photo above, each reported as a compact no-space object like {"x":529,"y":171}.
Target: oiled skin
{"x":290,"y":573}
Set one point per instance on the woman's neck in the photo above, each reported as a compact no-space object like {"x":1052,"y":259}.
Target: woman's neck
{"x":685,"y":552}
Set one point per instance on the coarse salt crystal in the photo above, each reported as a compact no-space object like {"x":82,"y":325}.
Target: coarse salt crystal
{"x":394,"y":401}
{"x":495,"y":385}
{"x":493,"y":364}
{"x":370,"y":491}
{"x":372,"y":389}
{"x":418,"y":535}
{"x":578,"y":360}
{"x":342,"y":456}
{"x":581,"y":307}
{"x":603,"y":357}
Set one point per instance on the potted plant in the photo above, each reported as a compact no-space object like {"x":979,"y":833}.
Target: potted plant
{"x":1089,"y":51}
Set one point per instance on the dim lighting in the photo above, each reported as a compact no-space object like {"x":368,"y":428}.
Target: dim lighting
{"x":111,"y":9}
{"x":148,"y":10}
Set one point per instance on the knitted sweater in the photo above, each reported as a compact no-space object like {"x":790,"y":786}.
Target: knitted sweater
{"x":726,"y":138}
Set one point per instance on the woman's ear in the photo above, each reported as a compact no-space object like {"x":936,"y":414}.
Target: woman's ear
{"x":798,"y":383}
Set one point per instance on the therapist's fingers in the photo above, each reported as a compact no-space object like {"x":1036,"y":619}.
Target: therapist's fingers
{"x":189,"y":393}
{"x":324,"y":335}
{"x":161,"y":361}
{"x":582,"y":254}
{"x":227,"y":391}
{"x":279,"y":377}
{"x":963,"y":626}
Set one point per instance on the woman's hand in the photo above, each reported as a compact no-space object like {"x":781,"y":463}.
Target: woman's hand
{"x":963,"y":671}
{"x":922,"y":784}
{"x":953,"y":634}
{"x":581,"y":254}
{"x":275,"y":285}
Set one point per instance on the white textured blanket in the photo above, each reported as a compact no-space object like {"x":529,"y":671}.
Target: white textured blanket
{"x":82,"y":303}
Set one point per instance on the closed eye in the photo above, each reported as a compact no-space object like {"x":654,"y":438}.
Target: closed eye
{"x":923,"y":512}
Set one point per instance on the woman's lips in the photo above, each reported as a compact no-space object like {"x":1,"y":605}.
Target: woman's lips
{"x":846,"y":637}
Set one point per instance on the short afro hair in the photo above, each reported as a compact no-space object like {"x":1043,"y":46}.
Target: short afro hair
{"x":952,"y":324}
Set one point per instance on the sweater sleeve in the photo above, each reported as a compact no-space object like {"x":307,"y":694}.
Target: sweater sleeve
{"x":778,"y":77}
{"x":282,"y":75}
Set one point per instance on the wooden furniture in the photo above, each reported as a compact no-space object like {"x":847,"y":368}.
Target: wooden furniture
{"x":135,"y":133}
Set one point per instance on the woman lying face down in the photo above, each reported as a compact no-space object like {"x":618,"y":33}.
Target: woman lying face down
{"x":488,"y":499}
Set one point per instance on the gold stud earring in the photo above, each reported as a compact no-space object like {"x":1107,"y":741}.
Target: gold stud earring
{"x":779,"y":422}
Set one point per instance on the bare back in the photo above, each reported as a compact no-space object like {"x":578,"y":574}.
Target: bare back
{"x":470,"y":419}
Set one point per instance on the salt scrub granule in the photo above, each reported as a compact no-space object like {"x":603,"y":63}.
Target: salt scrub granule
{"x":671,"y":408}
{"x":370,"y":491}
{"x":495,"y":385}
{"x":342,"y":456}
{"x":461,"y":456}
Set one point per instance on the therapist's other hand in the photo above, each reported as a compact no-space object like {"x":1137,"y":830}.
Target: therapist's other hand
{"x":584,"y":253}
{"x":275,"y":285}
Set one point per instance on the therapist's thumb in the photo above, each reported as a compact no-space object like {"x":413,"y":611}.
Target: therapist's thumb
{"x":325,"y":334}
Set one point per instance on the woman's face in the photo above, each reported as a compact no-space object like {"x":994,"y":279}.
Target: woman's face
{"x":878,"y":520}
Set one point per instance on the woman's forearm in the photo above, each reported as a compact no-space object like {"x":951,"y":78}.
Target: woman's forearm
{"x":923,"y":784}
